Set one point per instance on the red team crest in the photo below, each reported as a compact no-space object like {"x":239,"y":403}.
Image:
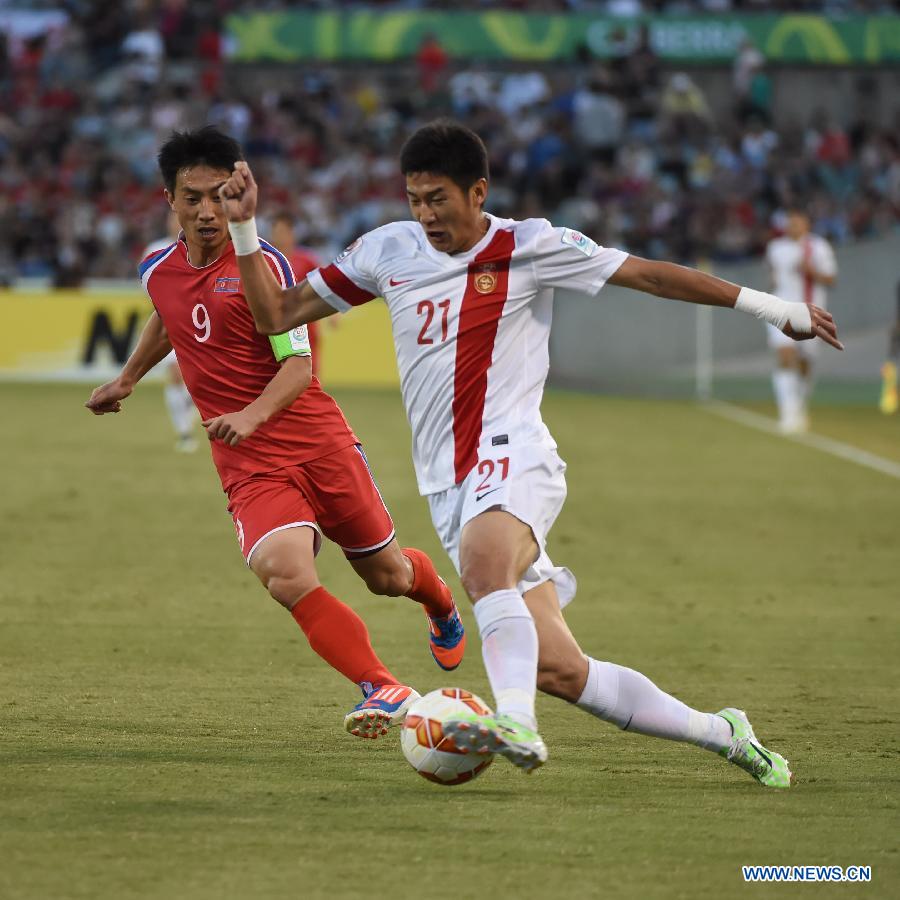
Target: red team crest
{"x":485,"y":278}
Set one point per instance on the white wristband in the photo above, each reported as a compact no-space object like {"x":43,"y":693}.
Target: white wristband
{"x":774,"y":310}
{"x":244,"y":237}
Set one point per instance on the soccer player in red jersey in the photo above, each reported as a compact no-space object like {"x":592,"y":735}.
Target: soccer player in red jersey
{"x":470,"y":297}
{"x":292,"y":468}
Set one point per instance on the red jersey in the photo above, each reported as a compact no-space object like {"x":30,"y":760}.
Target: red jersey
{"x":227,"y":364}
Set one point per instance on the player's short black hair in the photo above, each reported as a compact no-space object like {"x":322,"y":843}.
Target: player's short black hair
{"x":445,"y":147}
{"x":206,"y":146}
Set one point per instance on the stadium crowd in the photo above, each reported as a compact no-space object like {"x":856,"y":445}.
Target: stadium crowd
{"x":629,"y":152}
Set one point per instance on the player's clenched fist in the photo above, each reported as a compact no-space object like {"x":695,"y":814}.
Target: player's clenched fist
{"x":232,"y":428}
{"x":107,"y":398}
{"x":238,"y":194}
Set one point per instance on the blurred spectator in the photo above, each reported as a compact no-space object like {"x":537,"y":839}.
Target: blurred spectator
{"x":521,"y":89}
{"x":684,"y":113}
{"x":432,"y":61}
{"x":758,"y":142}
{"x":640,"y":80}
{"x":143,"y":51}
{"x":747,"y":61}
{"x":752,"y":85}
{"x":599,"y":116}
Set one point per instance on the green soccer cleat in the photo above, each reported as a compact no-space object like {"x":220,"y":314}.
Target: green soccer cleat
{"x":501,"y":734}
{"x":745,"y":750}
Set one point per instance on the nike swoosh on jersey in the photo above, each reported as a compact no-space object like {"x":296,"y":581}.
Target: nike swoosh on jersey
{"x":393,"y":283}
{"x":482,"y":496}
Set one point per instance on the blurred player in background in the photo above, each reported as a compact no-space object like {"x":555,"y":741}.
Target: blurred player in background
{"x":302,"y":261}
{"x":470,"y":297}
{"x":802,"y":265}
{"x":289,"y":463}
{"x":889,"y":401}
{"x":181,"y":409}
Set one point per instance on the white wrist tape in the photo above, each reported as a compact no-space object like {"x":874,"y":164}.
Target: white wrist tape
{"x":774,"y":310}
{"x":244,"y":237}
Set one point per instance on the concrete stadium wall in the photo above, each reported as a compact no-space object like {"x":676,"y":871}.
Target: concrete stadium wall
{"x":624,"y":338}
{"x":797,"y":91}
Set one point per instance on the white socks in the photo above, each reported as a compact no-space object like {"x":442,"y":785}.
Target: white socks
{"x":509,"y":646}
{"x":792,"y":392}
{"x":181,"y":409}
{"x":634,"y":703}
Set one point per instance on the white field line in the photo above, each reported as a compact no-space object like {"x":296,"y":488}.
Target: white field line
{"x":826,"y":445}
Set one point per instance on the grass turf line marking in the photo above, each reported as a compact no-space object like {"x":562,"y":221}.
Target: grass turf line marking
{"x":826,"y":445}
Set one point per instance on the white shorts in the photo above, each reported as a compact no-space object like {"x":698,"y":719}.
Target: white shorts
{"x":777,"y":338}
{"x":527,"y":481}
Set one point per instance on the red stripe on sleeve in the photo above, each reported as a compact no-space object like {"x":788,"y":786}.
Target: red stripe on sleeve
{"x":341,"y":285}
{"x":479,"y":317}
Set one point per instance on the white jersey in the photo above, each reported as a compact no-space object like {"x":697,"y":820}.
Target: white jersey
{"x":785,"y":256}
{"x":471,"y":330}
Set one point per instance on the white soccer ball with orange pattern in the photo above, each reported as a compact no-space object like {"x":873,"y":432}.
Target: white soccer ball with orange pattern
{"x":432,"y":755}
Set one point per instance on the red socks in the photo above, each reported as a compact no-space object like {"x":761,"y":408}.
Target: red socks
{"x":341,"y":638}
{"x":427,"y":587}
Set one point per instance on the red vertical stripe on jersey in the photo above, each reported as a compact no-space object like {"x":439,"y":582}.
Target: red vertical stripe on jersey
{"x":807,"y":279}
{"x":344,"y":287}
{"x":479,"y":317}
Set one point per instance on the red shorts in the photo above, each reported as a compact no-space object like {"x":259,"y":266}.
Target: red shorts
{"x":335,"y":495}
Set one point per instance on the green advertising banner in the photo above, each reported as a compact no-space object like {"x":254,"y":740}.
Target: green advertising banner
{"x":385,"y":36}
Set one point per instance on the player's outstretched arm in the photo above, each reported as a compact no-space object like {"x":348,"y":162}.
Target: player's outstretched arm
{"x":275,"y":309}
{"x":797,"y":320}
{"x":291,"y":380}
{"x":152,"y":347}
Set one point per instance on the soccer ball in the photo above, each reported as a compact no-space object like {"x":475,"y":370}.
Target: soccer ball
{"x":426,"y":749}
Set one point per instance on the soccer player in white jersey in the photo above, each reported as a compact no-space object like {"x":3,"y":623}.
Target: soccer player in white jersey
{"x":470,"y":297}
{"x":802,"y":266}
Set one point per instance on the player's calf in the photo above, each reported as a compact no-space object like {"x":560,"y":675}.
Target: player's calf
{"x":562,"y":678}
{"x":386,"y":573}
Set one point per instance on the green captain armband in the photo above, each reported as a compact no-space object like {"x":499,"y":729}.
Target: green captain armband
{"x":292,"y":343}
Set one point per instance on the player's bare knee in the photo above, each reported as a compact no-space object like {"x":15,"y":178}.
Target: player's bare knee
{"x":287,"y":590}
{"x":479,"y":582}
{"x":285,"y":585}
{"x":483,"y":573}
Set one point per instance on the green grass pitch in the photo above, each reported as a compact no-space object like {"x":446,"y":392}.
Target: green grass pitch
{"x":165,"y":732}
